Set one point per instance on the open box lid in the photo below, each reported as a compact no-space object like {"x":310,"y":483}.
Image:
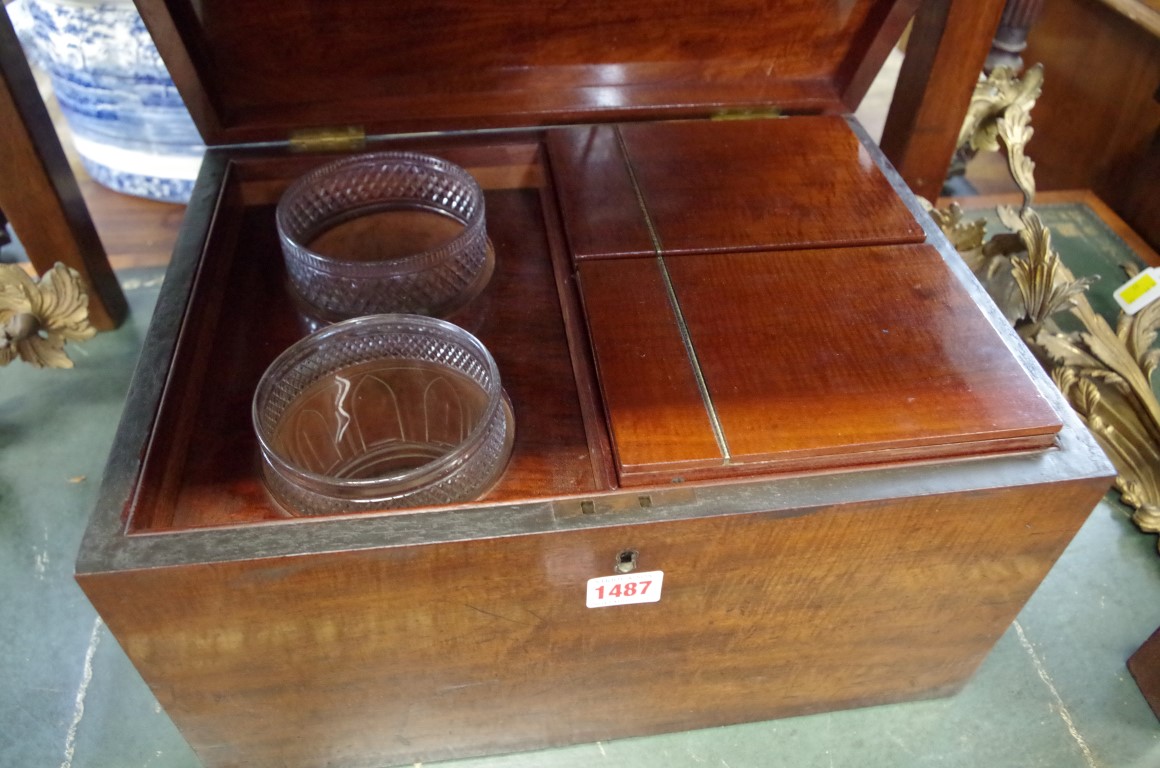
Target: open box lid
{"x":256,"y":72}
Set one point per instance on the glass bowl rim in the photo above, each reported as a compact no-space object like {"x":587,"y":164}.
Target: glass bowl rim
{"x":401,"y":265}
{"x":432,"y":471}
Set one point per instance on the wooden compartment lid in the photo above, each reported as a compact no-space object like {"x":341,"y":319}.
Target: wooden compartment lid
{"x":699,"y":186}
{"x":255,"y":71}
{"x":760,"y":298}
{"x":730,"y":364}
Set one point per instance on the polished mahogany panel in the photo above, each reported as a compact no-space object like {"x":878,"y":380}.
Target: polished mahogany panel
{"x":255,"y":70}
{"x":598,"y":201}
{"x":1144,"y":665}
{"x":724,"y":185}
{"x":810,"y":359}
{"x":850,"y":350}
{"x":400,"y":655}
{"x":656,"y":412}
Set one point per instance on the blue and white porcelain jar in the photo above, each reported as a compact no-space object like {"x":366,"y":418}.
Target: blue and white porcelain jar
{"x":128,"y":123}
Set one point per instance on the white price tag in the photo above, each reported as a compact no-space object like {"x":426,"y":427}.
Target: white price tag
{"x":625,"y":589}
{"x":1139,"y":292}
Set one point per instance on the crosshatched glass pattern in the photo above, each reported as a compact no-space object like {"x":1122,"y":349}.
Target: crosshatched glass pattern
{"x":405,"y":232}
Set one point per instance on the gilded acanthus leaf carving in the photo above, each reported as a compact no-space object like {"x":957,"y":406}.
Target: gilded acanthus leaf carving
{"x":1066,"y":349}
{"x":1015,"y":129}
{"x":1045,"y":285}
{"x":992,"y":99}
{"x":1105,"y":373}
{"x":38,"y":317}
{"x":999,"y":114}
{"x":1138,"y":333}
{"x":1106,"y":376}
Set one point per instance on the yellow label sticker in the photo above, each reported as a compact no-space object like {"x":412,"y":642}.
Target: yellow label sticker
{"x":1143,"y":283}
{"x":1139,"y":292}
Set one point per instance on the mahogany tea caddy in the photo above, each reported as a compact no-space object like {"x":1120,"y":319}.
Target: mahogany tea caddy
{"x":737,"y":352}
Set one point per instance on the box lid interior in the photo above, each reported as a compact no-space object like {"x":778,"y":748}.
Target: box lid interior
{"x":255,"y":72}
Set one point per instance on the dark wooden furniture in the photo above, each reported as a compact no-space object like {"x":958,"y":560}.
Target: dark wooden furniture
{"x":885,"y":478}
{"x":1011,"y":36}
{"x":1098,"y":118}
{"x":944,"y":57}
{"x":38,"y":192}
{"x":1145,"y":668}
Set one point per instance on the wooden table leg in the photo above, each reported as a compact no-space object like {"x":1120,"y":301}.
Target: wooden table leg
{"x":1145,"y":667}
{"x":38,"y":192}
{"x":944,"y":56}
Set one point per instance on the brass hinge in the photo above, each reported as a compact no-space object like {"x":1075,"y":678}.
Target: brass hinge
{"x":759,"y":113}
{"x":343,"y":139}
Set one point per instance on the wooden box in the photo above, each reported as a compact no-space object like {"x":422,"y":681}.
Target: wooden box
{"x":737,"y":353}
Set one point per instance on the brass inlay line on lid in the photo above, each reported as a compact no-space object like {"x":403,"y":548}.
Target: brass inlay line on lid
{"x":675,"y":305}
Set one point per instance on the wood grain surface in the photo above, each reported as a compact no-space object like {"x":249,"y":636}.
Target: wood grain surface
{"x":851,"y":348}
{"x":452,"y":64}
{"x":763,"y":184}
{"x":1144,"y":665}
{"x":724,"y":185}
{"x":948,"y":44}
{"x":655,"y":410}
{"x":1098,"y":116}
{"x":810,"y":359}
{"x":397,"y":655}
{"x":598,"y":201}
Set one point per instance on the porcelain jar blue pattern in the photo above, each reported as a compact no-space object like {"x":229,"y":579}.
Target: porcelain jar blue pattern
{"x":129,"y":125}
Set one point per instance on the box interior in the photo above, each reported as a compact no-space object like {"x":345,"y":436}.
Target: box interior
{"x":626,"y":370}
{"x":202,"y":467}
